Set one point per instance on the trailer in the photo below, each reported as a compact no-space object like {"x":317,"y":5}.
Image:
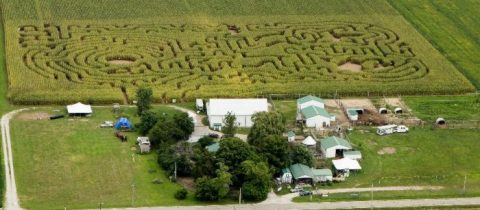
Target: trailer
{"x":389,"y":129}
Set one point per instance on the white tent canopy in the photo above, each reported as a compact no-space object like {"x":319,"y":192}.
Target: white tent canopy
{"x":309,"y":141}
{"x":346,"y":164}
{"x":79,"y":108}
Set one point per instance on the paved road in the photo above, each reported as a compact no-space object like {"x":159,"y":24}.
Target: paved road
{"x":11,"y":200}
{"x":287,"y":199}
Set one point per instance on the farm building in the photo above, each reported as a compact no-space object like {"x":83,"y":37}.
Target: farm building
{"x":291,"y":136}
{"x":213,"y":147}
{"x":345,"y":165}
{"x":243,"y":109}
{"x":310,"y":101}
{"x":353,"y":113}
{"x":316,"y":117}
{"x":286,"y":177}
{"x":309,"y":141}
{"x":333,"y":146}
{"x":354,"y":155}
{"x":301,"y":173}
{"x":79,"y":109}
{"x":322,"y":175}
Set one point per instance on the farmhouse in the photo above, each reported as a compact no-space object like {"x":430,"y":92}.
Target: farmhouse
{"x":316,"y":117}
{"x":310,"y":101}
{"x":301,"y":173}
{"x":243,"y":109}
{"x":79,"y":109}
{"x":334,"y":146}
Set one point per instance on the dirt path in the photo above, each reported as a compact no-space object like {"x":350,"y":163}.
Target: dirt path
{"x":11,"y":200}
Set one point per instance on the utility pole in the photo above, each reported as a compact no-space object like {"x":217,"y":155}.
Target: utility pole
{"x":100,"y":204}
{"x":464,"y":184}
{"x":240,"y":196}
{"x":133,"y":195}
{"x":371,"y":197}
{"x":175,"y":171}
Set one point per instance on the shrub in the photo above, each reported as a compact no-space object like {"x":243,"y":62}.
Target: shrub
{"x":181,"y":194}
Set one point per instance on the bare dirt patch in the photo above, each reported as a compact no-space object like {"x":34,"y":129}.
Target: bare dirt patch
{"x":349,"y":66}
{"x":340,"y":117}
{"x":186,"y":182}
{"x":120,"y":62}
{"x":387,"y":151}
{"x":370,"y":115}
{"x":27,"y":116}
{"x":233,"y":29}
{"x":359,"y":102}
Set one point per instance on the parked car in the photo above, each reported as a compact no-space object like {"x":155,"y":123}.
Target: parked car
{"x":305,"y":193}
{"x":106,"y":124}
{"x":213,"y":135}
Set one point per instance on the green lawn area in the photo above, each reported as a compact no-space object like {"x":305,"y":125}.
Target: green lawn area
{"x":453,"y":27}
{"x":429,"y":108}
{"x":423,"y":157}
{"x":289,"y":110}
{"x":73,"y":163}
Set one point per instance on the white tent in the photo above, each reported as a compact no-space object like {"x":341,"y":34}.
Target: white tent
{"x":346,"y":164}
{"x":79,"y":108}
{"x":309,"y":141}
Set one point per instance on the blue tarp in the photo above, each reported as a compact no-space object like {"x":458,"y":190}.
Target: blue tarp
{"x":123,"y":123}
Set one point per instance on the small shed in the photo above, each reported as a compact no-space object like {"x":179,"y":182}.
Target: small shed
{"x":213,"y":148}
{"x":291,"y":136}
{"x":354,"y":155}
{"x":383,"y":110}
{"x":286,"y":176}
{"x":309,"y":141}
{"x":345,"y":165}
{"x":79,"y":109}
{"x":143,"y":144}
{"x":440,"y":121}
{"x":322,"y":175}
{"x":333,"y":145}
{"x":301,"y":173}
{"x":398,"y":110}
{"x":123,"y":123}
{"x":353,"y":113}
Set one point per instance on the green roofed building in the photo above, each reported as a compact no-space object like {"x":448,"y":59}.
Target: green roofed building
{"x":213,"y":147}
{"x":316,"y":117}
{"x":310,"y":101}
{"x":331,"y":144}
{"x":322,"y":175}
{"x":301,"y":173}
{"x":291,"y":136}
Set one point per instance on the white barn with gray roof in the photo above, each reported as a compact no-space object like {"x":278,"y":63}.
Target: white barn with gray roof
{"x":243,"y":109}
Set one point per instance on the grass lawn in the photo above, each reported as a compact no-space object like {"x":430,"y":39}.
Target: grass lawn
{"x":289,"y":110}
{"x":423,"y":157}
{"x":429,"y":108}
{"x":75,"y":164}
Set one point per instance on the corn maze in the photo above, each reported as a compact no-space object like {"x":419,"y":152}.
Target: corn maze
{"x":189,"y":60}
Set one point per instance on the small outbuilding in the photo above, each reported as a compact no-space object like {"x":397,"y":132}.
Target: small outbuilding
{"x":352,"y":113}
{"x":286,"y":177}
{"x":309,"y":141}
{"x":291,"y":136}
{"x":345,"y":165}
{"x":354,"y":155}
{"x":383,"y":110}
{"x":123,"y":124}
{"x":199,"y":104}
{"x":79,"y":109}
{"x":333,"y":146}
{"x":398,"y":110}
{"x":310,"y":101}
{"x":322,"y":175}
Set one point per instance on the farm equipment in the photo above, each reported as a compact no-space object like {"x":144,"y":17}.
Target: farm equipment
{"x":389,"y":129}
{"x":121,"y":136}
{"x":58,"y":116}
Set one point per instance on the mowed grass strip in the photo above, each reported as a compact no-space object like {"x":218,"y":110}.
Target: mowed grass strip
{"x":452,"y":26}
{"x":75,"y":164}
{"x":438,"y":157}
{"x":459,"y":108}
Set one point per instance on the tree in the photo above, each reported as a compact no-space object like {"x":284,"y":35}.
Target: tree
{"x":265,"y":124}
{"x":184,"y":123}
{"x":232,"y":152}
{"x":205,"y":163}
{"x":164,"y":131}
{"x":257,"y":180}
{"x":205,"y":141}
{"x":208,"y":189}
{"x":181,"y":194}
{"x":301,"y":154}
{"x":144,"y":99}
{"x":230,"y":128}
{"x":147,"y":120}
{"x":275,"y":151}
{"x":180,"y":155}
